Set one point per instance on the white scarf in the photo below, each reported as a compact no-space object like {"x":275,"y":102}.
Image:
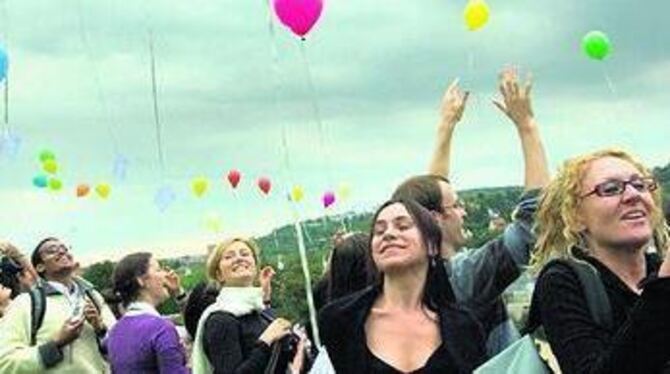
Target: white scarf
{"x":237,"y":301}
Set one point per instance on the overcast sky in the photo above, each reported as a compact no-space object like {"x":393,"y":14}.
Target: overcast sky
{"x":80,"y":85}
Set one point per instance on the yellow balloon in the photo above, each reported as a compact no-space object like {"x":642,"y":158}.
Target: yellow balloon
{"x":213,"y":222}
{"x":103,"y":190}
{"x":476,"y":14}
{"x":50,"y":166}
{"x":199,"y":186}
{"x":343,"y":191}
{"x":297,"y":193}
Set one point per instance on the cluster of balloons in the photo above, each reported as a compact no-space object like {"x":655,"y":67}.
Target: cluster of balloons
{"x":50,"y":166}
{"x":49,"y":180}
{"x":200,"y":185}
{"x":298,"y":15}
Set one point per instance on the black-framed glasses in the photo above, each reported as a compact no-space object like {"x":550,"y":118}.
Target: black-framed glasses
{"x":616,"y":187}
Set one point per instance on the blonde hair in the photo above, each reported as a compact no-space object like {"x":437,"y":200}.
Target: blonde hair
{"x":217,"y":253}
{"x":557,"y":216}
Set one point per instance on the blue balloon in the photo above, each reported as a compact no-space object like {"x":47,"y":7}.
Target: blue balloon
{"x":164,"y":197}
{"x":4,"y":64}
{"x":40,"y":181}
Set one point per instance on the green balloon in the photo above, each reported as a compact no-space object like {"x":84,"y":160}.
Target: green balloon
{"x":55,"y":184}
{"x":596,"y":45}
{"x":47,"y":155}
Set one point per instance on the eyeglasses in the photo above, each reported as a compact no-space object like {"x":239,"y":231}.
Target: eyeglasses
{"x":54,"y":249}
{"x":617,"y":187}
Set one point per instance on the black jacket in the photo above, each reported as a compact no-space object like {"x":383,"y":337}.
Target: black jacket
{"x":231,"y":344}
{"x":639,"y":342}
{"x":341,"y":325}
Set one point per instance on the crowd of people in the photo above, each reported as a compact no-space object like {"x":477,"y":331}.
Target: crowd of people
{"x":405,"y":297}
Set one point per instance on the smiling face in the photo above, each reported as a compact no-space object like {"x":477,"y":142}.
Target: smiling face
{"x":397,"y":243}
{"x":619,"y":221}
{"x":56,"y":259}
{"x":153,"y":283}
{"x":237,"y":267}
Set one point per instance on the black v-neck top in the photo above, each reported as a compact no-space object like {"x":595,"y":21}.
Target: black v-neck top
{"x":438,"y":362}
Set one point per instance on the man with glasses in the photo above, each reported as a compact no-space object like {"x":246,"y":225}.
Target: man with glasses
{"x":58,"y":326}
{"x":479,"y":276}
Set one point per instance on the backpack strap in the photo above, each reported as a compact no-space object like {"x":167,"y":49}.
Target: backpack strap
{"x":594,"y":290}
{"x":38,"y":303}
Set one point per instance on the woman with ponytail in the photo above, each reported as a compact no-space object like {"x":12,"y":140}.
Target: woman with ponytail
{"x":407,"y":321}
{"x":142,"y":341}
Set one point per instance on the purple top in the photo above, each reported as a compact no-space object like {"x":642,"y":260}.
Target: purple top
{"x":145,"y":343}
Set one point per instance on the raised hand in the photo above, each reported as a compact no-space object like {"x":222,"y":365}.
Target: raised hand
{"x":515,"y":103}
{"x":453,"y":104}
{"x":265,"y":279}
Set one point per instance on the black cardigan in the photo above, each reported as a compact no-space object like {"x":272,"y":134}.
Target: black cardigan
{"x":231,"y":344}
{"x":341,"y":326}
{"x":639,"y":342}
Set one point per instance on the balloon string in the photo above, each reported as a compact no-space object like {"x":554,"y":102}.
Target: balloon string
{"x":308,"y":281}
{"x":154,"y":94}
{"x":317,"y":113}
{"x":610,"y":84}
{"x":5,"y":36}
{"x":102,"y":99}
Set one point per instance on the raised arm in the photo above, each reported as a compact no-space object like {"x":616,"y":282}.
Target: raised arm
{"x":451,"y":110}
{"x":516,"y":104}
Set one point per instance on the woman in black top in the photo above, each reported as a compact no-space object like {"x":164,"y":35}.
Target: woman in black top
{"x":604,"y":208}
{"x":406,"y":321}
{"x":236,"y":334}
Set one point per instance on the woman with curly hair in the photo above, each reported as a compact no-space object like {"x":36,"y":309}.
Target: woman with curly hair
{"x":604,"y":209}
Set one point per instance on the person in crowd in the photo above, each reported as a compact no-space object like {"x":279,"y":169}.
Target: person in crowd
{"x":68,"y":319}
{"x":235,"y":334}
{"x":10,"y":281}
{"x":604,"y":208}
{"x":201,"y":296}
{"x":479,"y":276}
{"x":667,"y":212}
{"x":405,"y":322}
{"x":28,"y":275}
{"x":143,"y":341}
{"x":349,"y":268}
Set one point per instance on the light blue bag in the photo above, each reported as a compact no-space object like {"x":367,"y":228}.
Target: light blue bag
{"x":519,"y":358}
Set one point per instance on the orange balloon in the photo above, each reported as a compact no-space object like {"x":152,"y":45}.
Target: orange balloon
{"x":83,"y":190}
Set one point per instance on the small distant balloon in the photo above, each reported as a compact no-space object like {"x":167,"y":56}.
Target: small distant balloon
{"x":234,"y":177}
{"x":41,"y":181}
{"x":83,"y":190}
{"x":199,"y":186}
{"x":264,"y":185}
{"x":476,"y":14}
{"x":164,"y":197}
{"x":103,"y":190}
{"x":4,"y":64}
{"x":55,"y":184}
{"x":10,"y":143}
{"x":213,"y":222}
{"x":328,"y":199}
{"x":50,"y":166}
{"x":596,"y":45}
{"x":120,"y":167}
{"x":297,"y":193}
{"x":343,"y":192}
{"x":46,"y":155}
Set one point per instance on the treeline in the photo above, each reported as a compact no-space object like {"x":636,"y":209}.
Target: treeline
{"x":280,"y":247}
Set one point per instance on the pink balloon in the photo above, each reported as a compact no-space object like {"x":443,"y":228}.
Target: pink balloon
{"x":328,"y":199}
{"x":298,"y":15}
